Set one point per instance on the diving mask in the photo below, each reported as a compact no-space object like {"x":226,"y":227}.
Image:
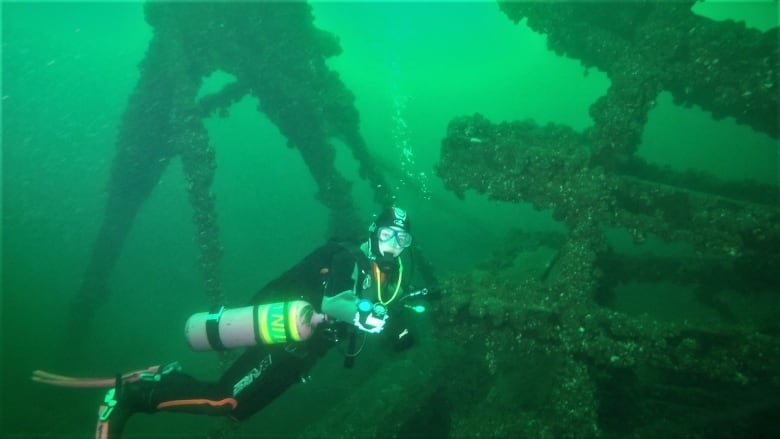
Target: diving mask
{"x":402,"y":238}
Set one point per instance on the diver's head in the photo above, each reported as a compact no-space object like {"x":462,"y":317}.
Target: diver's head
{"x":390,"y":234}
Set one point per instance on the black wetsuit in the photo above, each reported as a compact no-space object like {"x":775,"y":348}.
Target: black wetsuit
{"x":264,"y":372}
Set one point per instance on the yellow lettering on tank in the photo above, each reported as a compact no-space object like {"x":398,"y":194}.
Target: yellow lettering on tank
{"x":278,"y":322}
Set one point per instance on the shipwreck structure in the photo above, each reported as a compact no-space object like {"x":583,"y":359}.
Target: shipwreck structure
{"x":533,"y":346}
{"x":607,"y":373}
{"x":530,"y":344}
{"x":276,"y":55}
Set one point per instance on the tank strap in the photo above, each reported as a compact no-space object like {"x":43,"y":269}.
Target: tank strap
{"x":212,"y":329}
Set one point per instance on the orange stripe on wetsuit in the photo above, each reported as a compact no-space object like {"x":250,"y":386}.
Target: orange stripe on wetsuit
{"x":189,"y":404}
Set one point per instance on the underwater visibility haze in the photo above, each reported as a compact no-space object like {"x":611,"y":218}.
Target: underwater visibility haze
{"x":593,"y":188}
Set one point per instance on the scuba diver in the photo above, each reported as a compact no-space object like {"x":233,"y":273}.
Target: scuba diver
{"x":340,"y":291}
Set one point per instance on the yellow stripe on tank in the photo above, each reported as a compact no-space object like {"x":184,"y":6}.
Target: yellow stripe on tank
{"x":263,"y":323}
{"x":292,"y":320}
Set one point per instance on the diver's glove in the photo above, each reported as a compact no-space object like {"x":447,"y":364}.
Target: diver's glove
{"x":397,"y":335}
{"x":403,"y":340}
{"x":342,"y":306}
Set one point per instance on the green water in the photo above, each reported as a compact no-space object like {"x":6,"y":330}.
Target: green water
{"x":68,"y":69}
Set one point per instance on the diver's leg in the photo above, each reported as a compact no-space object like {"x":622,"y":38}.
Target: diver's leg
{"x":261,"y":375}
{"x":255,"y":379}
{"x":168,"y":390}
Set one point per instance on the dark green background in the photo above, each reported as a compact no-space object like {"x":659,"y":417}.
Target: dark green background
{"x":68,"y":69}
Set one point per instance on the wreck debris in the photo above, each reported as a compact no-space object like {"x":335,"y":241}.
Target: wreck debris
{"x":277,"y":56}
{"x":663,"y":378}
